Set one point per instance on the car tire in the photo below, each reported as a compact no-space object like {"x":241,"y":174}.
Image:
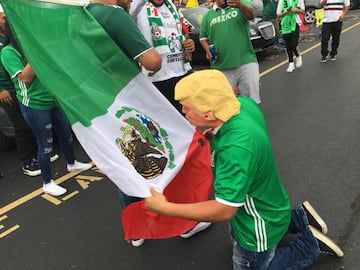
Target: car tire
{"x":310,"y":15}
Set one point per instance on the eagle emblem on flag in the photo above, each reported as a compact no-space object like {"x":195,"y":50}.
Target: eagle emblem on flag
{"x":144,"y":143}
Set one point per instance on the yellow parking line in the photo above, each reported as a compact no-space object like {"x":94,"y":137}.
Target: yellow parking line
{"x":72,"y":194}
{"x":35,"y":193}
{"x":303,"y":52}
{"x":13,"y":228}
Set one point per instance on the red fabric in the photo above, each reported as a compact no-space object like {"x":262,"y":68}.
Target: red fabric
{"x":192,"y":184}
{"x":302,"y":26}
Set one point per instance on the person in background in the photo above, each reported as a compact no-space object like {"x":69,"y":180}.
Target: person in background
{"x":334,"y":15}
{"x":24,"y":138}
{"x":162,"y":26}
{"x":177,"y":4}
{"x":235,"y":55}
{"x":40,"y":111}
{"x":247,"y":189}
{"x":288,"y":11}
{"x":269,"y":14}
{"x":125,"y":4}
{"x":189,"y":3}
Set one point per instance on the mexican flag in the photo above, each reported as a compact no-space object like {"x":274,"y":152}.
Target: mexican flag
{"x":122,"y":121}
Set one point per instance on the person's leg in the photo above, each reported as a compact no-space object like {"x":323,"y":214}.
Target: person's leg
{"x":40,"y":123}
{"x":295,"y":41}
{"x":301,"y":252}
{"x":63,"y":133}
{"x":247,"y":260}
{"x":248,"y":81}
{"x":325,"y":36}
{"x":288,"y":45}
{"x":125,"y":200}
{"x":336,"y":31}
{"x":24,"y":137}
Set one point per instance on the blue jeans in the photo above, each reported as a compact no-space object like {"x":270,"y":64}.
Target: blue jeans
{"x":125,"y":200}
{"x":42,"y":123}
{"x":297,"y":254}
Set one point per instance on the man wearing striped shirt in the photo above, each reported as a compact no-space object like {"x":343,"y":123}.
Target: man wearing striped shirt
{"x":334,"y":14}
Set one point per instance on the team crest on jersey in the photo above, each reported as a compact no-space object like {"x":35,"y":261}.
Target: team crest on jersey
{"x":144,"y":143}
{"x":155,"y":32}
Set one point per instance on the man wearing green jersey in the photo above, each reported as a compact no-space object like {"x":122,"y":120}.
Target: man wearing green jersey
{"x":226,"y":25}
{"x":247,"y":188}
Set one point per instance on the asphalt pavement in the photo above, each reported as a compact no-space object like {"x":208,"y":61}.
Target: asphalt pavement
{"x":313,"y":117}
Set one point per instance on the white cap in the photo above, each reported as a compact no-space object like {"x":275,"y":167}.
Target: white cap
{"x":1,"y":9}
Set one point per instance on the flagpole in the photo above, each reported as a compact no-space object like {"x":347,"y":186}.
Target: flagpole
{"x":83,"y":3}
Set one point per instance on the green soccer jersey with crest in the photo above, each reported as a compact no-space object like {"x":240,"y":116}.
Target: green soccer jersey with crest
{"x":246,"y":177}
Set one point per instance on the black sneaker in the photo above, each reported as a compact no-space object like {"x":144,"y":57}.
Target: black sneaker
{"x":323,"y":59}
{"x":326,"y":245}
{"x":31,"y":168}
{"x":332,"y":58}
{"x":314,"y":218}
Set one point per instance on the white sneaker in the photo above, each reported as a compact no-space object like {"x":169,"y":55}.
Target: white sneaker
{"x":78,"y":166}
{"x":291,"y":67}
{"x":198,"y":228}
{"x":137,"y":242}
{"x":53,"y":189}
{"x":54,"y":157}
{"x":298,"y":61}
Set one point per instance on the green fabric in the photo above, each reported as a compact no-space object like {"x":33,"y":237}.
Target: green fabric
{"x":128,"y":38}
{"x":34,"y":94}
{"x":288,"y":22}
{"x":228,"y":30}
{"x":72,"y":55}
{"x":246,"y":176}
{"x":5,"y":82}
{"x":269,"y":11}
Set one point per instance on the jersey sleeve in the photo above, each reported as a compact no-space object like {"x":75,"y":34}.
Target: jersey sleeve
{"x":126,"y":34}
{"x":12,"y":61}
{"x":204,"y":28}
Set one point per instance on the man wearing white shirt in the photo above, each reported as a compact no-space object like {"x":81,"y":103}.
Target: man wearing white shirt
{"x":334,"y":14}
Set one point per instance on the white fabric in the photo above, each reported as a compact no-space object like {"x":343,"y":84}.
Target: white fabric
{"x":172,"y":62}
{"x":333,"y":15}
{"x":105,"y":129}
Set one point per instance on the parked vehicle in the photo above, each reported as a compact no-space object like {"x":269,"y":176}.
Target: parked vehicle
{"x":262,"y":33}
{"x":310,"y":6}
{"x":7,"y":132}
{"x":354,"y":4}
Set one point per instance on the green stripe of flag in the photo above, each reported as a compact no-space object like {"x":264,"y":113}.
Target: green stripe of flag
{"x":72,"y":56}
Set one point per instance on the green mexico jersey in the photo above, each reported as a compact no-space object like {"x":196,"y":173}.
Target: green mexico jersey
{"x":246,"y":177}
{"x":228,"y":30}
{"x":34,"y":94}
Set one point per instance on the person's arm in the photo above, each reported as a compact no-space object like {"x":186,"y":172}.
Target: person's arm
{"x":27,"y":74}
{"x":210,"y":211}
{"x":323,"y":2}
{"x":205,"y":44}
{"x":247,"y":11}
{"x":296,"y":10}
{"x":151,"y":60}
{"x":5,"y":97}
{"x":342,"y":16}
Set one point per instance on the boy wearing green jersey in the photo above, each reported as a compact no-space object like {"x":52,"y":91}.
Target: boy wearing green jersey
{"x":247,"y":188}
